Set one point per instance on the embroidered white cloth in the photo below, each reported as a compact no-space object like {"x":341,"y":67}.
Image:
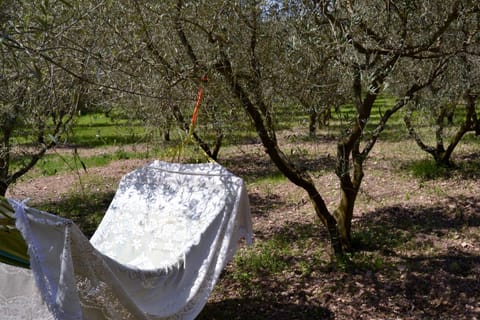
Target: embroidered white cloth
{"x":157,"y":254}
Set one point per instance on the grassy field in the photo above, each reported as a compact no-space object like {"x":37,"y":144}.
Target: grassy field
{"x":416,"y":226}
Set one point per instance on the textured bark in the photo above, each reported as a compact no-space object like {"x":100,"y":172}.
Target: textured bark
{"x":343,"y":214}
{"x":348,"y":151}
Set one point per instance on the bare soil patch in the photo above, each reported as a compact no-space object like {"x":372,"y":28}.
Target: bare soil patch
{"x":56,"y":187}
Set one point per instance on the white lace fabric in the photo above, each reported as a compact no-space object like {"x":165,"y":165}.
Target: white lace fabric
{"x":157,"y":253}
{"x":19,"y":297}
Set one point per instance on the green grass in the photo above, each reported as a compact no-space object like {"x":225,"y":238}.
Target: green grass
{"x":94,"y":130}
{"x":471,"y":139}
{"x":85,"y":205}
{"x":265,"y":259}
{"x":427,"y":169}
{"x":57,"y":163}
{"x":271,"y":179}
{"x":98,"y":131}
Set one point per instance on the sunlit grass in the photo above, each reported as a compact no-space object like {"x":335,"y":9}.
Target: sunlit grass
{"x":93,"y":130}
{"x":265,"y":259}
{"x":270,"y":179}
{"x":427,"y":169}
{"x":59,"y":163}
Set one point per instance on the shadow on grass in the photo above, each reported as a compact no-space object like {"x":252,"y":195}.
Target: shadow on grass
{"x":92,"y":141}
{"x":469,"y":165}
{"x":259,"y":309}
{"x":262,"y":205}
{"x":85,"y":210}
{"x":434,"y":269}
{"x":415,"y":262}
{"x":251,"y":168}
{"x":323,"y":136}
{"x":464,"y":166}
{"x":261,"y":167}
{"x":454,"y":213}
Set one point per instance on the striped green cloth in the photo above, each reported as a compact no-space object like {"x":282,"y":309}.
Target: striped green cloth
{"x":13,"y":249}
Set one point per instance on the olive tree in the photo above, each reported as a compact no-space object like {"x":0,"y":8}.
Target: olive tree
{"x":381,"y":39}
{"x":45,"y":57}
{"x":457,"y":90}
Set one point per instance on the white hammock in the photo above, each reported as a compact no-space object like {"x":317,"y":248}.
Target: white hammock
{"x":157,"y":253}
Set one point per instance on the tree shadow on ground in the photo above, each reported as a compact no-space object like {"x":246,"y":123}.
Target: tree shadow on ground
{"x":438,"y":286}
{"x":258,"y":167}
{"x":259,"y":309}
{"x":262,"y":167}
{"x":411,"y":262}
{"x":261,"y":205}
{"x":453,"y":213}
{"x":465,"y":166}
{"x":432,"y":265}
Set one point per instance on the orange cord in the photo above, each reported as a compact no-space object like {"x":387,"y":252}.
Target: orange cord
{"x":197,"y":106}
{"x":199,"y":100}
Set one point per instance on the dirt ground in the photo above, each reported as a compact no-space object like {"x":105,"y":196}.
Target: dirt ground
{"x":420,"y":240}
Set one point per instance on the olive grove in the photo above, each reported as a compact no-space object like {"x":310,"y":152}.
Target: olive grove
{"x":255,"y":48}
{"x":260,"y":58}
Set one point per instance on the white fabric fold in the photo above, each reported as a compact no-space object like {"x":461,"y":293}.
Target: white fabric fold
{"x":157,"y":254}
